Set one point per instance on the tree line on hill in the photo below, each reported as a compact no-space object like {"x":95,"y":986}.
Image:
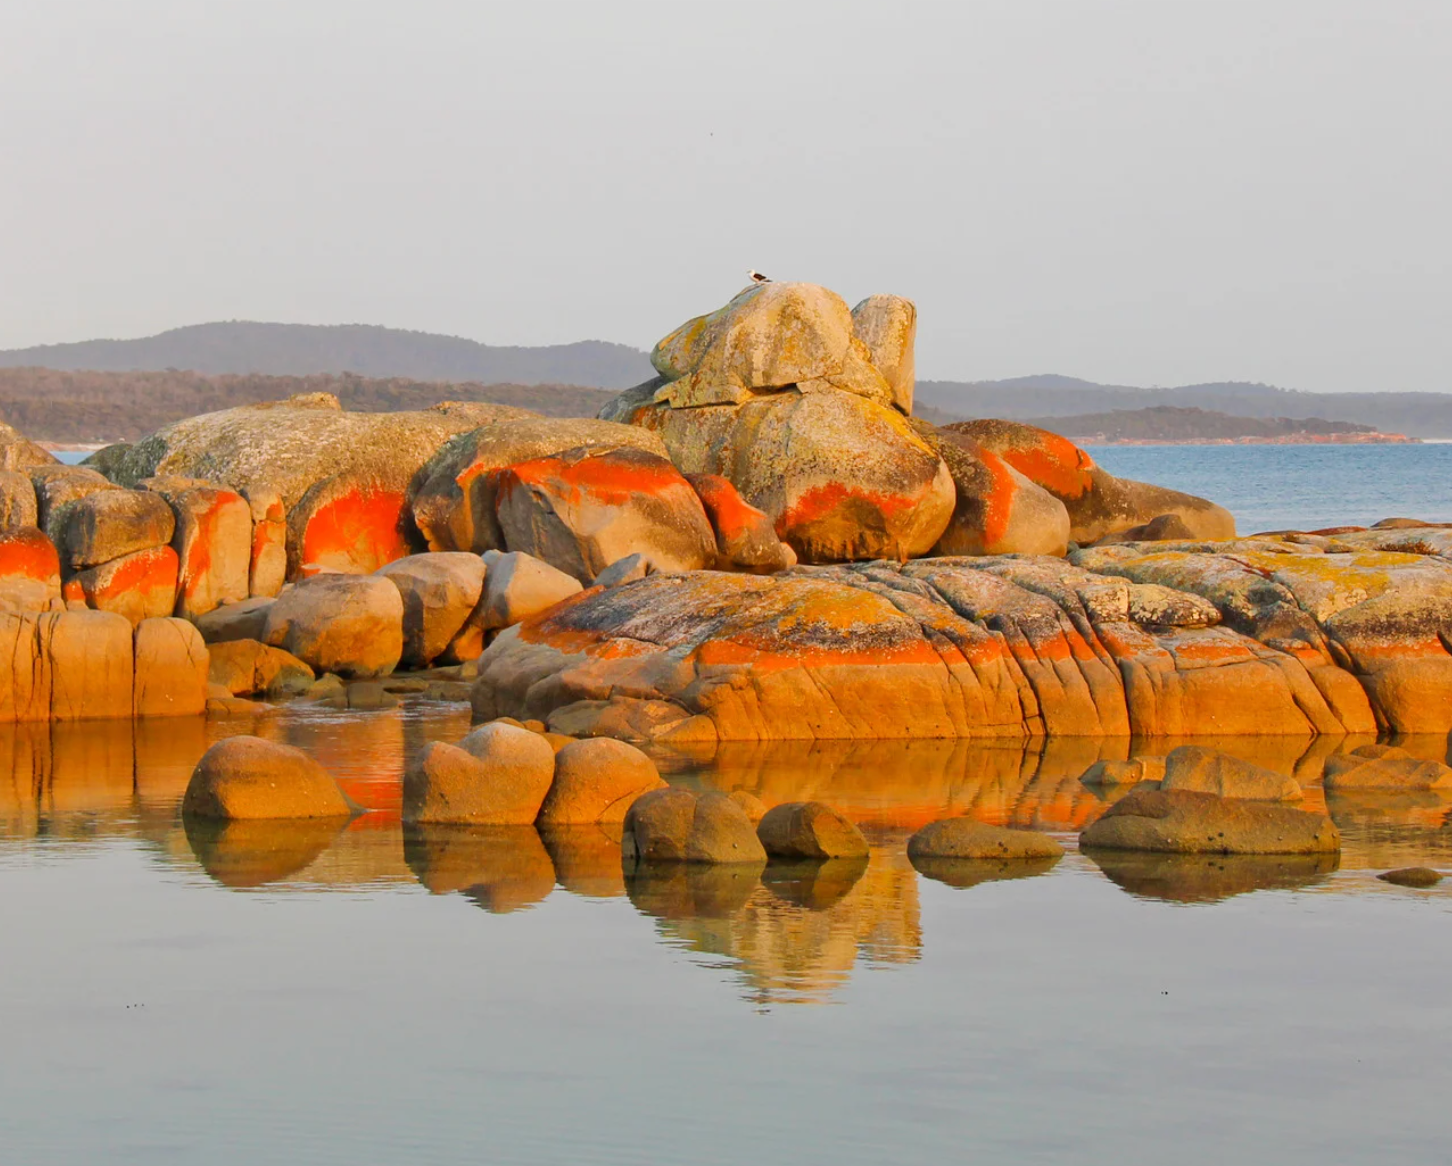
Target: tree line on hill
{"x":1168,"y":423}
{"x":82,"y":407}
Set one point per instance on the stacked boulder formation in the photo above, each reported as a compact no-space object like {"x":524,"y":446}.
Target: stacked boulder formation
{"x":760,"y":542}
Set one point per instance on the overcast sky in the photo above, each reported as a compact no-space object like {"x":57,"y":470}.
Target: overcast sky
{"x":1140,"y":193}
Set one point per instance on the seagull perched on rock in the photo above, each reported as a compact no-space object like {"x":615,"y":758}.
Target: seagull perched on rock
{"x":757,"y":277}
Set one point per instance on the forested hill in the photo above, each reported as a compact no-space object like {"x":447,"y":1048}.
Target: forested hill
{"x":1023,"y":398}
{"x":60,"y":406}
{"x":242,"y":347}
{"x":1169,"y":423}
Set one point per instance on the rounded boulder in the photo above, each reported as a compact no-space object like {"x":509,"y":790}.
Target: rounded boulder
{"x":247,"y":777}
{"x":809,"y":830}
{"x":968,"y":838}
{"x":597,"y":780}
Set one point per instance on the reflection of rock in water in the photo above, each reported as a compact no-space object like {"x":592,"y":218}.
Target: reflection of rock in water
{"x":793,"y":936}
{"x":1209,"y":878}
{"x":499,"y":868}
{"x":969,"y":872}
{"x":586,"y":858}
{"x":1386,"y":828}
{"x":254,"y":853}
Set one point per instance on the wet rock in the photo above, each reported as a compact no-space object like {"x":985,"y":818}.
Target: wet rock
{"x":170,"y":669}
{"x":235,"y":621}
{"x":888,"y":326}
{"x":246,"y":777}
{"x":453,"y":502}
{"x":29,"y":569}
{"x":518,"y":586}
{"x":1208,"y":771}
{"x":1384,"y":767}
{"x":112,"y":523}
{"x":349,"y":624}
{"x":499,"y":775}
{"x":1412,"y":876}
{"x":1188,"y":822}
{"x":809,"y":830}
{"x":674,"y":825}
{"x":17,"y":500}
{"x":967,"y":838}
{"x":245,"y":667}
{"x":439,"y":593}
{"x":582,"y":509}
{"x":597,"y":781}
{"x":745,"y":537}
{"x":139,"y":586}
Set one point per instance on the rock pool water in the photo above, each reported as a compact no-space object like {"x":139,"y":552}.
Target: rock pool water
{"x":365,"y":995}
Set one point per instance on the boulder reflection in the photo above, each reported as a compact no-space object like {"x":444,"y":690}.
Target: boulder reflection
{"x":498,"y":868}
{"x":963,"y":873}
{"x":243,"y":855}
{"x":1210,"y":878}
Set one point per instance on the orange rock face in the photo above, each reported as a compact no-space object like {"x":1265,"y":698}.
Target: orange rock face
{"x":29,"y":568}
{"x":139,"y":586}
{"x":994,"y":647}
{"x":583,"y":509}
{"x":213,"y":541}
{"x":347,"y":526}
{"x":745,"y":537}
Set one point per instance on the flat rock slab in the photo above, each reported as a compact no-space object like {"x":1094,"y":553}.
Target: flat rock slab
{"x":1185,"y":822}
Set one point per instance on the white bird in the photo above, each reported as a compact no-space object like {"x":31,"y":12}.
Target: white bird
{"x":757,"y":277}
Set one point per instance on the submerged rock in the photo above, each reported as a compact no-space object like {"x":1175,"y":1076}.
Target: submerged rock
{"x":963,"y":838}
{"x":1412,"y":876}
{"x":1186,"y":822}
{"x":1208,"y":771}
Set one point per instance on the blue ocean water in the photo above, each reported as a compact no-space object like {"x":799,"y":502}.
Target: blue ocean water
{"x":1303,"y":487}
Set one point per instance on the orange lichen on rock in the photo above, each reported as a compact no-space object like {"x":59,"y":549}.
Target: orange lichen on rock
{"x":348,"y":528}
{"x":29,"y":568}
{"x":139,"y":586}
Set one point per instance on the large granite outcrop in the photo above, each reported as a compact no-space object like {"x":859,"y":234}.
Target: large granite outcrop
{"x":985,"y":647}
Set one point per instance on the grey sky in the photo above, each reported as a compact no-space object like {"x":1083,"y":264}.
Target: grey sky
{"x":1154,"y":192}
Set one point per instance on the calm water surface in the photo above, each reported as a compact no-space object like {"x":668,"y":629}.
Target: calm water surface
{"x":289,"y":993}
{"x":1301,"y":487}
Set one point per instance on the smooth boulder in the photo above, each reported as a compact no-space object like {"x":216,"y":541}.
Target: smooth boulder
{"x":348,"y":624}
{"x":745,"y":537}
{"x":1187,"y":822}
{"x":499,"y":775}
{"x":518,"y":586}
{"x":439,"y":591}
{"x":247,"y":667}
{"x":170,"y":663}
{"x":675,"y":825}
{"x":247,"y":777}
{"x":111,"y":523}
{"x":809,"y":830}
{"x":597,"y":780}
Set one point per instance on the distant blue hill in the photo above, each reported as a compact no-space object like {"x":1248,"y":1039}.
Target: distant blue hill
{"x":241,"y":346}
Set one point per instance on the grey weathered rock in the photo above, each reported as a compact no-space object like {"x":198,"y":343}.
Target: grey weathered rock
{"x":674,"y":825}
{"x":1208,"y":771}
{"x":968,"y":838}
{"x":626,"y":570}
{"x":439,"y":591}
{"x":235,"y":621}
{"x":517,"y":586}
{"x":111,"y":523}
{"x":57,"y":489}
{"x":17,"y":500}
{"x":1187,"y":822}
{"x":888,"y":325}
{"x":809,"y":830}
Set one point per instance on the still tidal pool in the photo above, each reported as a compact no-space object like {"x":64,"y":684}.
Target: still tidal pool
{"x":370,"y":994}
